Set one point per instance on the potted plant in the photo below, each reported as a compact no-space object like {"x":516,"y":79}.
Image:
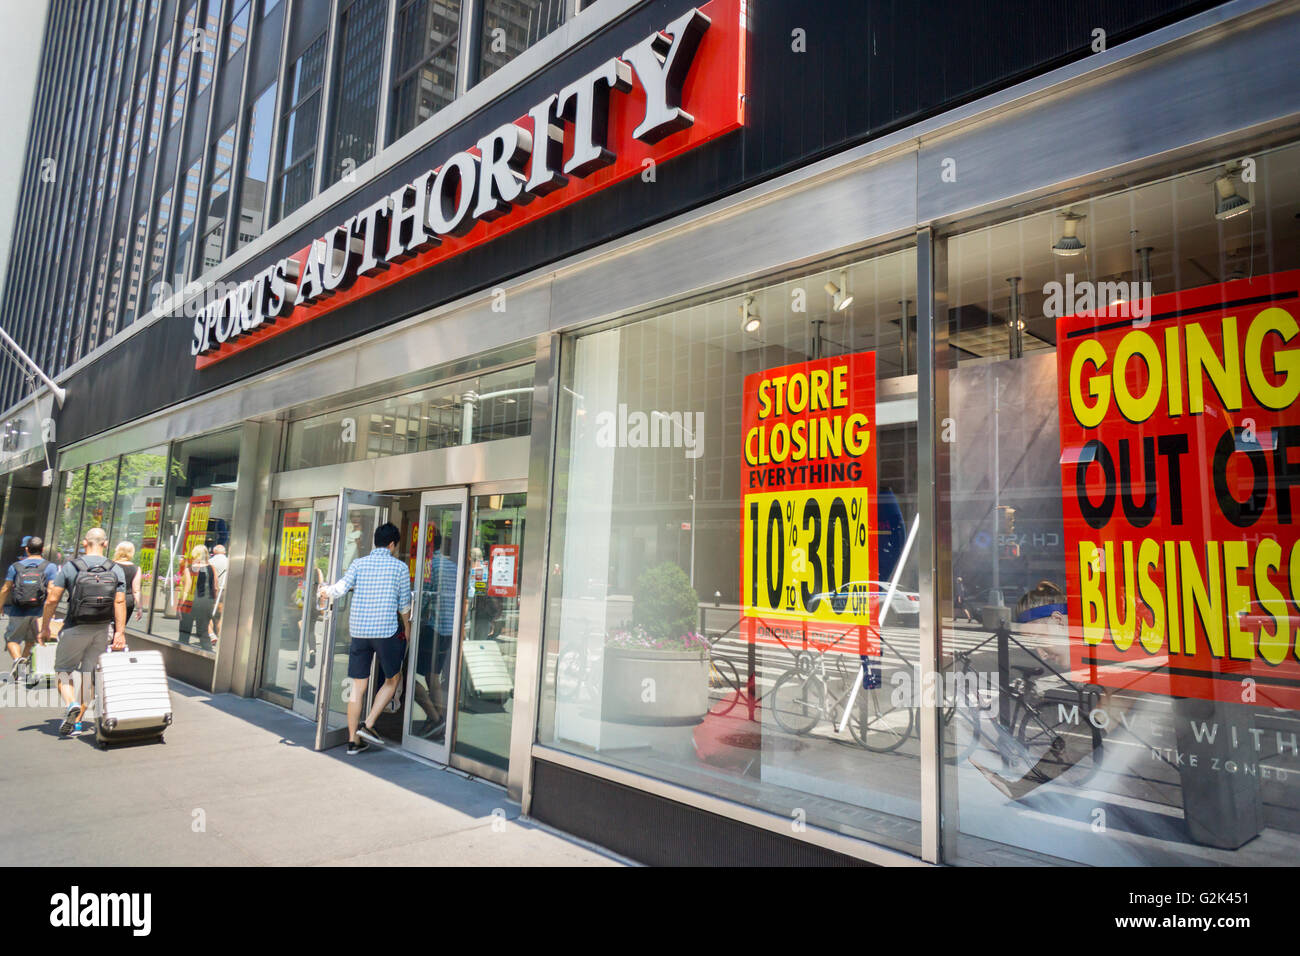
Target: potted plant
{"x":656,"y":668}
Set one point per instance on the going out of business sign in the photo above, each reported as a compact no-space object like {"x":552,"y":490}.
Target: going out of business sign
{"x":1180,"y":462}
{"x":674,"y":90}
{"x":808,"y":495}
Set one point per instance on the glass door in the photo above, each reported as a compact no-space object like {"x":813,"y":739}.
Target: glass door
{"x":282,"y":657}
{"x":349,"y":528}
{"x":433,"y":662}
{"x":315,"y":616}
{"x":490,"y":630}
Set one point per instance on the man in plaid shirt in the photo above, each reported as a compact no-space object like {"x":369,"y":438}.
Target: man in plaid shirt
{"x":381,"y":586}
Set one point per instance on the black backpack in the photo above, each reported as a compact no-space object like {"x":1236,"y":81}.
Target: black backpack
{"x":93,"y":592}
{"x":29,"y":584}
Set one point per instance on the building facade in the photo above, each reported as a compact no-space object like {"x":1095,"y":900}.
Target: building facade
{"x":819,"y":432}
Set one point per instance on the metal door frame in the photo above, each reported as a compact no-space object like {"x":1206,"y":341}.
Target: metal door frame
{"x":297,"y":704}
{"x":504,"y":486}
{"x":327,"y":737}
{"x":450,"y":495}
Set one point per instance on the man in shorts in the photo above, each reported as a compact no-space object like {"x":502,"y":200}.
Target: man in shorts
{"x":86,"y":628}
{"x":381,"y":586}
{"x":25,"y":617}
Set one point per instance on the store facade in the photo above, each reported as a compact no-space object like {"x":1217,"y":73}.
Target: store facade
{"x":840,"y":363}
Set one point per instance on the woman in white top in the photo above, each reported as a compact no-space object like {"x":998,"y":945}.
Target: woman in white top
{"x":199,"y":587}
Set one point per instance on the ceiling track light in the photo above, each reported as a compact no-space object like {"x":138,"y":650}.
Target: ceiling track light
{"x":1227,"y":201}
{"x":840,"y":296}
{"x":1069,"y":244}
{"x":749,"y":318}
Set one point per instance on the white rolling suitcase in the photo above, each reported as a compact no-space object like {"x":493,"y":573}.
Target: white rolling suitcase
{"x":42,"y":664}
{"x":132,"y":700}
{"x":488,"y":674}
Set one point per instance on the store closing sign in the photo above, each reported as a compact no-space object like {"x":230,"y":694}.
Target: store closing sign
{"x":676,"y":89}
{"x":293,"y":543}
{"x":196,"y":525}
{"x":807,"y":498}
{"x":1180,"y":439}
{"x":149,"y":539}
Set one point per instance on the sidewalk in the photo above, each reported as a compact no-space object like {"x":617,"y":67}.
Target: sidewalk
{"x":237,"y":783}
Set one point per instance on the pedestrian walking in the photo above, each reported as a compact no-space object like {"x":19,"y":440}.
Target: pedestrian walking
{"x":27,"y":584}
{"x":378,"y":620}
{"x":96,"y":589}
{"x":124,"y":558}
{"x":220,"y":564}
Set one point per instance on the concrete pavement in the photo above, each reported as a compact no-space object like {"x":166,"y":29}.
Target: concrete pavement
{"x":237,"y":783}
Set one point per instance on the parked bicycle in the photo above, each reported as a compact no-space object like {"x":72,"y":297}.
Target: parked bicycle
{"x":1032,"y":714}
{"x":810,"y":693}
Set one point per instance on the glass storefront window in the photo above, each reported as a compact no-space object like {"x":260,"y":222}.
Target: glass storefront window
{"x":137,"y":512}
{"x":101,"y":485}
{"x":1118,"y":562}
{"x":197,"y":514}
{"x":67,"y":522}
{"x":486,"y":408}
{"x":717,"y":586}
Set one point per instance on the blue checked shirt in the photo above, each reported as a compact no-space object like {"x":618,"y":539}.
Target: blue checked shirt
{"x":381,"y":586}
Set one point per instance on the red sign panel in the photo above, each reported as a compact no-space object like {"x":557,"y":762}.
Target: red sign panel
{"x":712,"y":94}
{"x":808,"y":502}
{"x":196,"y":525}
{"x":503,"y":570}
{"x":149,"y":539}
{"x":1180,"y":441}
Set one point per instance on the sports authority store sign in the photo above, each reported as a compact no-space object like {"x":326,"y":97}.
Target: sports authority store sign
{"x":674,"y":90}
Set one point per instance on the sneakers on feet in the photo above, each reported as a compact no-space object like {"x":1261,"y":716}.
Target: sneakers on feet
{"x":357,"y":746}
{"x":369,"y":736}
{"x":78,"y":729}
{"x":70,"y":719}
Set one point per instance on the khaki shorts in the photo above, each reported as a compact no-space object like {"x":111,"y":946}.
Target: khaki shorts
{"x":79,"y":648}
{"x":23,"y":629}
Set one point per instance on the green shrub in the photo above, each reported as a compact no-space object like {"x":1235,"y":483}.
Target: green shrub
{"x":664,"y":603}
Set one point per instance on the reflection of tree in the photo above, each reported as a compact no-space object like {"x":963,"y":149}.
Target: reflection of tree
{"x":100,"y":486}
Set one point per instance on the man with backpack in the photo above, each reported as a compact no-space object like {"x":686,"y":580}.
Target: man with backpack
{"x":96,"y":590}
{"x":26,"y":585}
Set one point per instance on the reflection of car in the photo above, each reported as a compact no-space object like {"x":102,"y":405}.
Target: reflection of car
{"x":904,"y":609}
{"x":1259,"y":623}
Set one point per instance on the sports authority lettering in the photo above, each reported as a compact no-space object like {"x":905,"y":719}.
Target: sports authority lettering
{"x":596,"y":131}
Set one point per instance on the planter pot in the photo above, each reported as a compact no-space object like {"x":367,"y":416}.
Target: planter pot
{"x":679,"y":694}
